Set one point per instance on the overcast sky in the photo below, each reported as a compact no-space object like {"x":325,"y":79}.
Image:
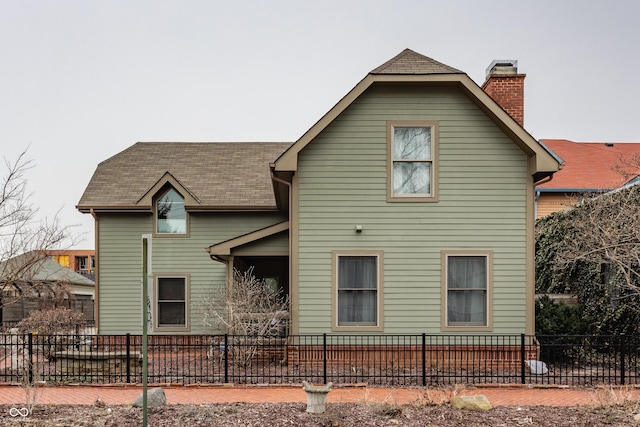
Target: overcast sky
{"x":82,"y":80}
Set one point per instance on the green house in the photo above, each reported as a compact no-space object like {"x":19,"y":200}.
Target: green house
{"x":407,"y":208}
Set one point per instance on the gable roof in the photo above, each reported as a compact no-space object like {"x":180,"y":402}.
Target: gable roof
{"x":222,"y":250}
{"x":216,"y":175}
{"x":589,"y":166}
{"x":412,"y":67}
{"x":410,"y":62}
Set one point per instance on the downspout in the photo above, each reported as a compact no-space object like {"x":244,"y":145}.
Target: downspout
{"x":96,"y":276}
{"x":281,"y":181}
{"x":544,"y":180}
{"x":293,"y":295}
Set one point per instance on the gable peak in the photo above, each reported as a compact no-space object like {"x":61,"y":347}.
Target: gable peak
{"x":410,"y":62}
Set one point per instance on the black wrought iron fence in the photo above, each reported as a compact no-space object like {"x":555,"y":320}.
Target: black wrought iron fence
{"x":407,"y":360}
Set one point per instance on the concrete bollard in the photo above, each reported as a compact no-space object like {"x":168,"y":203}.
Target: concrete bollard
{"x":316,"y":397}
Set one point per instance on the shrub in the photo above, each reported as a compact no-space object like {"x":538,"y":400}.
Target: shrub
{"x":558,"y":318}
{"x":50,"y":321}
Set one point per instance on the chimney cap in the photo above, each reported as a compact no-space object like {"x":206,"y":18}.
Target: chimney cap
{"x":502,"y":66}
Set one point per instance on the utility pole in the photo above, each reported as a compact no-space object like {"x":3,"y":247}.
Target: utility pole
{"x":146,"y":240}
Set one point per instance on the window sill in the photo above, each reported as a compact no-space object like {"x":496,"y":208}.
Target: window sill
{"x":470,"y":328}
{"x":355,"y":328}
{"x":417,"y":199}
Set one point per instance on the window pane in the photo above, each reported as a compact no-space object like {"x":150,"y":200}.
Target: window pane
{"x":467,"y":307}
{"x":357,"y":307}
{"x":171,"y":288}
{"x":467,"y":290}
{"x":171,"y":301}
{"x":467,"y":272}
{"x":412,"y":143}
{"x":411,"y":178}
{"x":171,"y":214}
{"x":357,"y":272}
{"x":357,"y":290}
{"x":171,"y":313}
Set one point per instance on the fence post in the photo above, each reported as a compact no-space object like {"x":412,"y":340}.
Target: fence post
{"x":424,"y":360}
{"x":324,"y":358}
{"x":623,"y":352}
{"x":128,"y":342}
{"x":522,"y":357}
{"x":226,"y":358}
{"x":30,"y":351}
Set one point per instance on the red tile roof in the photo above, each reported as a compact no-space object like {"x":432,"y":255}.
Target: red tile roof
{"x":591,"y":165}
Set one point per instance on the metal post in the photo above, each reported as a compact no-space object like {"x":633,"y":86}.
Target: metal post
{"x":424,"y":360}
{"x":522,"y":357}
{"x":30,"y":351}
{"x":226,"y":358}
{"x":128,"y":358}
{"x":623,"y":352}
{"x":324,"y":358}
{"x":145,"y":317}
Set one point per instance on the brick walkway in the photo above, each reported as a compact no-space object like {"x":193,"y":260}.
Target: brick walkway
{"x":498,"y":396}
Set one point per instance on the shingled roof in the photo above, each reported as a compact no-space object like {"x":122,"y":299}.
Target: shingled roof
{"x":218,"y":175}
{"x":410,"y":62}
{"x":589,"y":166}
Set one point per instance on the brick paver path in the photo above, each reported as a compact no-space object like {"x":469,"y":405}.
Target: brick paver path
{"x":498,"y":396}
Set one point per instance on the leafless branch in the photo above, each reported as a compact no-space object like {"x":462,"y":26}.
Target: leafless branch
{"x":24,"y":239}
{"x":248,"y":310}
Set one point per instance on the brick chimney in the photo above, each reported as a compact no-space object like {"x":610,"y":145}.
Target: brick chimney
{"x":506,"y":87}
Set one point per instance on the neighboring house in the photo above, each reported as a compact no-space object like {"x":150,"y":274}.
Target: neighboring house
{"x":588,"y":168}
{"x":82,"y":261}
{"x":28,"y":281}
{"x":407,"y":208}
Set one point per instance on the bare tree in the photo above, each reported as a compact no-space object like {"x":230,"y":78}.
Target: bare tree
{"x":592,"y":250}
{"x":606,"y":231}
{"x":628,"y":167}
{"x":249,"y":311}
{"x":24,"y":239}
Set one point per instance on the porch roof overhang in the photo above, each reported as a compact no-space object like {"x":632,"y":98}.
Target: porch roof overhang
{"x":223,"y":250}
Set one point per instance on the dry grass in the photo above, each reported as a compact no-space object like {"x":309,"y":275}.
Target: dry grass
{"x":625,"y":397}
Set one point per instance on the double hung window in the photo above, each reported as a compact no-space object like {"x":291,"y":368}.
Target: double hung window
{"x":171,"y":303}
{"x":412,"y":161}
{"x":467,"y":294}
{"x":357,"y":291}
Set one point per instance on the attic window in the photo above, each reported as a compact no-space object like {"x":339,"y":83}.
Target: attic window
{"x":171,"y":216}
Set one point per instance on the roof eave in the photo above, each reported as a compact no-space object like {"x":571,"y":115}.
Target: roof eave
{"x":194,"y":208}
{"x":573,"y":190}
{"x":223,"y":249}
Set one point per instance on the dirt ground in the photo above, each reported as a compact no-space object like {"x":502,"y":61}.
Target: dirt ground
{"x":336,"y":415}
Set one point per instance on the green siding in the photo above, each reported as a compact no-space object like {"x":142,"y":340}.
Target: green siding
{"x":482,"y":202}
{"x":120,"y":262}
{"x":276,"y":244}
